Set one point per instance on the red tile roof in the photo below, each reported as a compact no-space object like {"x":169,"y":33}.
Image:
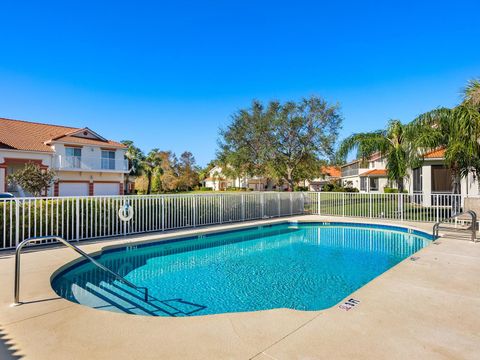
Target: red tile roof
{"x":86,"y":141}
{"x":435,"y":154}
{"x":332,"y":171}
{"x":375,"y":172}
{"x":32,"y":136}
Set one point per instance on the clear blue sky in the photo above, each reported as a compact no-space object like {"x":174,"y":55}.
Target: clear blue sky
{"x":169,"y":74}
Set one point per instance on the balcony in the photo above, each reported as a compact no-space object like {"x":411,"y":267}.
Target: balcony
{"x":350,"y":172}
{"x":86,"y":163}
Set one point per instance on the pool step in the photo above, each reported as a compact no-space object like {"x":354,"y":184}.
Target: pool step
{"x":121,"y":298}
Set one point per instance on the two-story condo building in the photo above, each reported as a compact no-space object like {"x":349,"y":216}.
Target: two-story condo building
{"x":366,"y":175}
{"x":85,"y":162}
{"x":218,"y":181}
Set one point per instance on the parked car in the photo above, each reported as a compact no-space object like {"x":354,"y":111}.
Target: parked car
{"x":6,"y":196}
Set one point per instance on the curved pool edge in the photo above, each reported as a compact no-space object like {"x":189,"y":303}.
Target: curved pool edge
{"x":192,"y":233}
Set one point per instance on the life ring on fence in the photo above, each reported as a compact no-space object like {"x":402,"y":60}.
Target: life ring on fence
{"x":125,"y":213}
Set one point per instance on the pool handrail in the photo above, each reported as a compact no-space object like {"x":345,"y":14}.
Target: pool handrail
{"x":74,"y":248}
{"x":472,"y":227}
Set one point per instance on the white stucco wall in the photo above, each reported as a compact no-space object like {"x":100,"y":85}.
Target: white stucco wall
{"x":46,"y":158}
{"x":354,"y":179}
{"x":2,"y":180}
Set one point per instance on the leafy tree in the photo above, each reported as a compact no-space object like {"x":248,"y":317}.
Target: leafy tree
{"x":187,"y":172}
{"x":135,"y":158}
{"x":395,"y":143}
{"x":33,"y":179}
{"x":168,"y":169}
{"x":283,"y":141}
{"x":457,"y":130}
{"x":141,"y":184}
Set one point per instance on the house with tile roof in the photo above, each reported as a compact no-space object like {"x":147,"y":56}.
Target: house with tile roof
{"x":368,"y":175}
{"x":329,"y":175}
{"x":433,"y":177}
{"x":85,"y":162}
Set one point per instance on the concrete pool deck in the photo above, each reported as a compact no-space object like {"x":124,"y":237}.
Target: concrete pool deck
{"x":423,"y":309}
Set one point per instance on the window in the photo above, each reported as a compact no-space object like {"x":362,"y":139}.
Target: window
{"x":417,"y":180}
{"x":363,"y":183}
{"x":108,"y":160}
{"x":441,"y":179}
{"x":73,"y":157}
{"x":373,"y":184}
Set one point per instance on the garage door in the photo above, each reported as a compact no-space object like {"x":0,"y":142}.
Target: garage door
{"x":106,"y":189}
{"x":72,"y":189}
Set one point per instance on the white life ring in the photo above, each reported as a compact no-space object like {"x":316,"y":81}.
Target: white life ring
{"x":125,"y":213}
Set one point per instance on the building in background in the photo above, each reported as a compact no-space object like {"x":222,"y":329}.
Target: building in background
{"x":218,"y":181}
{"x":85,"y":162}
{"x":434,"y":178}
{"x":368,"y":176}
{"x":329,"y":175}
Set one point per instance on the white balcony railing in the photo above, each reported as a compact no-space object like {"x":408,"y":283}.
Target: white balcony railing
{"x":90,"y":163}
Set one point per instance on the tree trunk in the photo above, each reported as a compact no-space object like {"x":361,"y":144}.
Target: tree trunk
{"x":127,"y":187}
{"x":149,"y":183}
{"x":399,"y":185}
{"x":290,"y":179}
{"x":456,"y":189}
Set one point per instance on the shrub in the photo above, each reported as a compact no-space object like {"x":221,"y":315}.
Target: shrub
{"x":33,"y":179}
{"x":233,"y":188}
{"x":300,"y":188}
{"x":389,"y":190}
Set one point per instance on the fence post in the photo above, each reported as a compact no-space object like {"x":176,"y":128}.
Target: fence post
{"x":291,"y":205}
{"x":318,"y":203}
{"x":77,"y":219}
{"x":17,"y":221}
{"x":400,"y":196}
{"x":343,"y":204}
{"x":243,"y":207}
{"x":163,"y":213}
{"x":220,"y":208}
{"x":279,"y":205}
{"x":370,"y":205}
{"x":194,"y":210}
{"x":262,"y":204}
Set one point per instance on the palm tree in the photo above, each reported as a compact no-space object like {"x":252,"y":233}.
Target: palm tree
{"x":456,"y":130}
{"x":151,"y":166}
{"x":135,"y":159}
{"x":472,"y":93}
{"x":394,"y":143}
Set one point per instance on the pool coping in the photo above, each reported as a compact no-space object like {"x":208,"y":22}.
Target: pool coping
{"x":261,"y":334}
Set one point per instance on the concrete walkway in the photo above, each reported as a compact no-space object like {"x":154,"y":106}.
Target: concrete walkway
{"x":423,"y":309}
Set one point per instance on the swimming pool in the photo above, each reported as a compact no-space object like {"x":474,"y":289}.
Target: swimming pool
{"x":303,"y":266}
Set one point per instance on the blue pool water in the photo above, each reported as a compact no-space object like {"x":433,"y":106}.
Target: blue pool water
{"x":304,"y":266}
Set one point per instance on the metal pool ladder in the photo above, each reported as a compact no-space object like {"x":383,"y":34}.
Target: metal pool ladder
{"x":74,"y":248}
{"x":471,"y":228}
